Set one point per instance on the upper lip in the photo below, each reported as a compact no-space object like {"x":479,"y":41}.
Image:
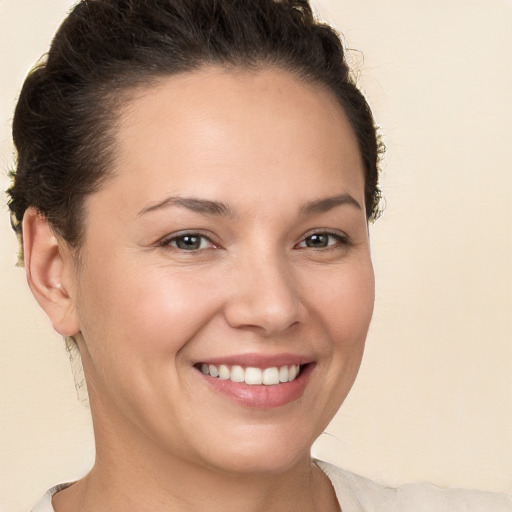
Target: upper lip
{"x":259,"y":360}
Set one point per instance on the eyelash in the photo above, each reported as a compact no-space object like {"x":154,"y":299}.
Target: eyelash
{"x":340,"y":240}
{"x":168,"y":242}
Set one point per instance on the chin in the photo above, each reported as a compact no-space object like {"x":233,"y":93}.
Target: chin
{"x":263,"y":451}
{"x":262,"y":463}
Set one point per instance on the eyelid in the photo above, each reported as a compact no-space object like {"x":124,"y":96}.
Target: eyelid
{"x":166,"y":240}
{"x":342,"y":237}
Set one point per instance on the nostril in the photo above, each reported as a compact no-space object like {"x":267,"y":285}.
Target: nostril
{"x":266,"y":315}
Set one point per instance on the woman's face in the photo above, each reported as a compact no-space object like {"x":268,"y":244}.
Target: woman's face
{"x":233,"y":238}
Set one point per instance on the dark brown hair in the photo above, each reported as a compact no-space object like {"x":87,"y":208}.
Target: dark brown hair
{"x":65,"y":119}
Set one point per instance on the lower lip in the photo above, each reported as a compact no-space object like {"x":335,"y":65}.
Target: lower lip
{"x":261,"y":396}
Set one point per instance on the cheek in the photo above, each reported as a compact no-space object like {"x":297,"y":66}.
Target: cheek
{"x":345,"y":304}
{"x":135,"y":329}
{"x":151,"y":310}
{"x":343,"y":308}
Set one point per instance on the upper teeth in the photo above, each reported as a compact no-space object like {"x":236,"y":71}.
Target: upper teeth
{"x":252,"y":375}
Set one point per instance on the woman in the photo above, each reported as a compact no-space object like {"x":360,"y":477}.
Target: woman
{"x":193,"y":191}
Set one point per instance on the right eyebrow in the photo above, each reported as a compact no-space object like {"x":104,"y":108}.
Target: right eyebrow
{"x":203,"y":206}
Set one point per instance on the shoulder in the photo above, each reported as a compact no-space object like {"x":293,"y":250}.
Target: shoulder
{"x":358,"y":494}
{"x":45,"y":503}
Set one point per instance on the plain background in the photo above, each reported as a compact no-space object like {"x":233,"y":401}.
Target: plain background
{"x":434,"y":395}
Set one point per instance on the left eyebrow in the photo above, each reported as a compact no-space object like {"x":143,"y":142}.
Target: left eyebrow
{"x":328,"y":203}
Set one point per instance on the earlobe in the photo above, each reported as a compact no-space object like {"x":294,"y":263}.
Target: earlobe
{"x":49,"y":272}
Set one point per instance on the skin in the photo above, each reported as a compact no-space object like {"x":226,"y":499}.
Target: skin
{"x":145,"y":311}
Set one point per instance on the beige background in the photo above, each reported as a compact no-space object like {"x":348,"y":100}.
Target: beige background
{"x":434,"y":396}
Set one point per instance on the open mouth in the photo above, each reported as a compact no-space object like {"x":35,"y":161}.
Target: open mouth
{"x":252,"y":376}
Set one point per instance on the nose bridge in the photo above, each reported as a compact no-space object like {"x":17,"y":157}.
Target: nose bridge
{"x":264,"y":293}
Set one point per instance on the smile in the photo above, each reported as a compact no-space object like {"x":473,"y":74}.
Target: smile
{"x":251,"y":375}
{"x":257,"y":381}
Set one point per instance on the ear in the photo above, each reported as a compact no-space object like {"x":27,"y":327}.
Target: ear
{"x":50,"y":273}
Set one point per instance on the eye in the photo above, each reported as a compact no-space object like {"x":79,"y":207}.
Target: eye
{"x":188,"y":242}
{"x":323,"y":241}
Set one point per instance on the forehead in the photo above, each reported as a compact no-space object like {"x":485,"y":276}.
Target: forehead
{"x":218,"y":131}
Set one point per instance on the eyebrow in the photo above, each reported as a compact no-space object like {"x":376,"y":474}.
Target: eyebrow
{"x":328,"y":203}
{"x":207,"y":207}
{"x":202,"y":206}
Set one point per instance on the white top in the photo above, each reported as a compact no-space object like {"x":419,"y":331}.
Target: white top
{"x":358,"y":494}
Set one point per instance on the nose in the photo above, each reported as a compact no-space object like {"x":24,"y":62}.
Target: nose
{"x":263,"y":297}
